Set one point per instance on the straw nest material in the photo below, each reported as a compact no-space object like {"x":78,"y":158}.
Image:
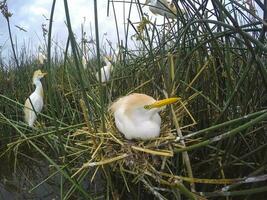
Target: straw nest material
{"x":138,"y":158}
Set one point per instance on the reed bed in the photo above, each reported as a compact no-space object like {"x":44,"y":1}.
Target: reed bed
{"x":212,"y":143}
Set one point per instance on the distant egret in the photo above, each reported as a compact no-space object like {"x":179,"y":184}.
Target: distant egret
{"x":41,"y":58}
{"x":84,"y":62}
{"x":35,"y":101}
{"x":136,"y":115}
{"x":105,"y":71}
{"x":117,"y":55}
{"x":162,"y":7}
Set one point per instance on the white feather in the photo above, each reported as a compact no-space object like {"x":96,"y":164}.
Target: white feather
{"x":41,"y":58}
{"x":140,"y":125}
{"x":84,"y":62}
{"x":105,"y":71}
{"x":34,"y":104}
{"x":161,"y":7}
{"x":133,"y":120}
{"x":37,"y":101}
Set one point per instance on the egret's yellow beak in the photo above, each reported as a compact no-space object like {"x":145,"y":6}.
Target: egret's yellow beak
{"x":43,"y":74}
{"x":109,"y":58}
{"x":161,"y":103}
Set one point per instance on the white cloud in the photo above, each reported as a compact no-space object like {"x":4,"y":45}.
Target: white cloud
{"x":30,"y":15}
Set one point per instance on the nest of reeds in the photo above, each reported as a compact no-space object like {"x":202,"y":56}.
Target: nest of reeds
{"x":112,"y":149}
{"x":142,"y":159}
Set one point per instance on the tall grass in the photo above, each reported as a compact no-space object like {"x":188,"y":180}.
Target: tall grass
{"x":212,"y":55}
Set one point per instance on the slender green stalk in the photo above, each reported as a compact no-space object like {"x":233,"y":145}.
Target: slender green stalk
{"x":222,"y":125}
{"x":7,"y":15}
{"x":102,"y":91}
{"x":225,"y":135}
{"x":235,"y":193}
{"x":63,"y":172}
{"x":76,"y":60}
{"x":22,"y":106}
{"x":49,"y":39}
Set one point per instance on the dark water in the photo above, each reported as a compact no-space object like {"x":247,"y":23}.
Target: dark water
{"x":17,"y":181}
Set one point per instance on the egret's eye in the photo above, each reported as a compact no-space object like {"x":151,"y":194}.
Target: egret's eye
{"x":147,"y":107}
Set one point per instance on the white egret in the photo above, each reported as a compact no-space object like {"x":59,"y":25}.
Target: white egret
{"x":84,"y":53}
{"x":162,"y":7}
{"x":41,"y":58}
{"x":84,"y":62}
{"x":34,"y":103}
{"x":105,"y":71}
{"x":117,"y":55}
{"x":136,"y":115}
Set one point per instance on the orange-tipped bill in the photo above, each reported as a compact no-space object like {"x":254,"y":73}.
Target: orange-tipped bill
{"x":109,"y":58}
{"x":163,"y":102}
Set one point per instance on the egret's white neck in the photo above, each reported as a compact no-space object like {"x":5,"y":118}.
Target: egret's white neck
{"x":38,"y":87}
{"x":142,"y":114}
{"x":108,"y":63}
{"x":111,"y":67}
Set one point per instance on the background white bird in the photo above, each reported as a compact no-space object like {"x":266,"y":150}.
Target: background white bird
{"x":84,"y":62}
{"x":136,"y":115}
{"x":117,"y":57}
{"x":162,"y":7}
{"x":105,"y":71}
{"x":35,"y":101}
{"x":41,"y":58}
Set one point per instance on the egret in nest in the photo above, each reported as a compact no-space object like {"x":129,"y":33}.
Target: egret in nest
{"x":34,"y":103}
{"x":105,"y":71}
{"x":137,"y":115}
{"x":162,"y":7}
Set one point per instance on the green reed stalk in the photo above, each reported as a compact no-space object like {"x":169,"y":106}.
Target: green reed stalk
{"x":102,"y":91}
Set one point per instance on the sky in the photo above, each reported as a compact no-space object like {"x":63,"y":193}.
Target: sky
{"x":31,"y":14}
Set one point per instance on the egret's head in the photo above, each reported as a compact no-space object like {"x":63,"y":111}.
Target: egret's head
{"x":141,"y":103}
{"x":107,"y":59}
{"x":41,"y":54}
{"x":37,"y":75}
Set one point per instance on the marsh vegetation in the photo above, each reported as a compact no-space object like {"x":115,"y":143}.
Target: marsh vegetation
{"x":213,"y":142}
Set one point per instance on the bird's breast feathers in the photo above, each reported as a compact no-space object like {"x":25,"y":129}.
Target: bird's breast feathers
{"x":36,"y":101}
{"x":136,"y":126}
